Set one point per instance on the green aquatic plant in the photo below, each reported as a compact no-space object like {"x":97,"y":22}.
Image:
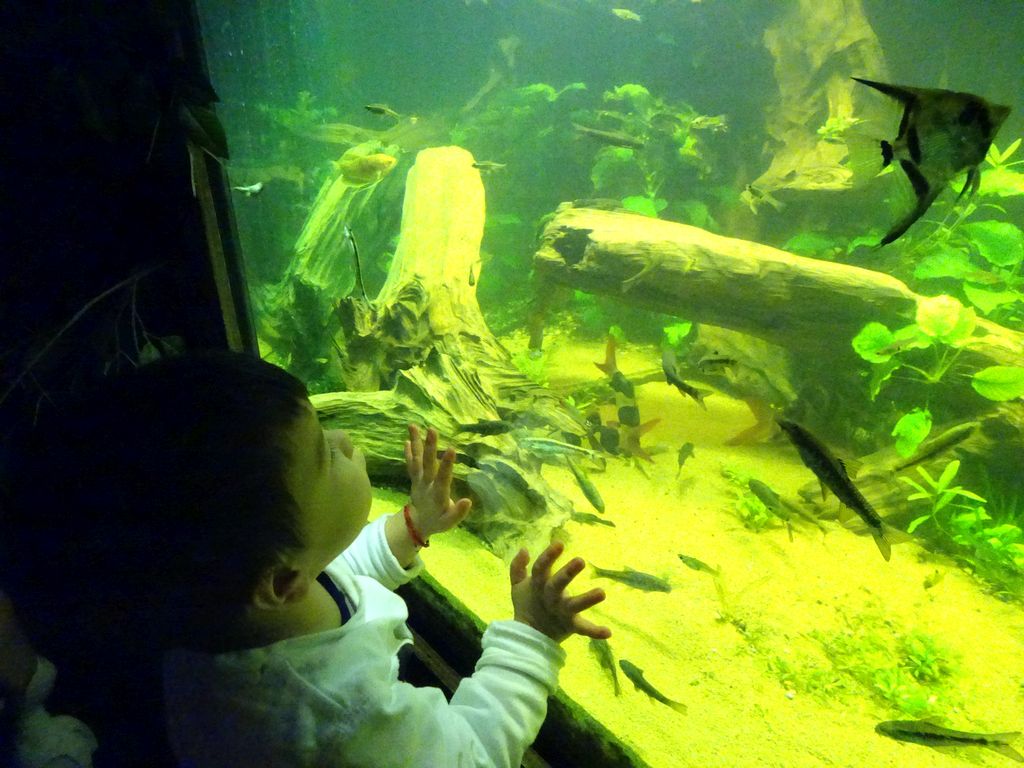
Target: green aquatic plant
{"x":999,"y":382}
{"x":937,"y":493}
{"x":809,"y":676}
{"x":911,"y":430}
{"x":533,"y":366}
{"x":752,"y":512}
{"x":677,"y":333}
{"x":897,"y":687}
{"x":998,"y":179}
{"x":303,"y":114}
{"x":927,"y":660}
{"x":652,"y":142}
{"x":914,"y":673}
{"x":928,"y":347}
{"x":993,"y":546}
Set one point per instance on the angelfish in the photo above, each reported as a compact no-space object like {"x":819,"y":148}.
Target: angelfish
{"x":941,"y":134}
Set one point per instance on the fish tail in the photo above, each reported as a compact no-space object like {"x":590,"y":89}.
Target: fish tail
{"x":887,"y":153}
{"x":678,"y":706}
{"x":1007,"y":751}
{"x":883,"y":543}
{"x":698,"y":395}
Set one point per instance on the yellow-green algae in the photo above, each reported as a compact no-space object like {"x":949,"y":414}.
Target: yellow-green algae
{"x":760,"y":672}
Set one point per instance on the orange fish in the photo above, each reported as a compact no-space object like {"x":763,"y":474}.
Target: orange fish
{"x":365,"y":169}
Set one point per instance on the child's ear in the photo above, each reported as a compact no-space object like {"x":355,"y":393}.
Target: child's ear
{"x":279,"y":586}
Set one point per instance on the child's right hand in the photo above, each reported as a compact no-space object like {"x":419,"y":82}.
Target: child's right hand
{"x":541,"y":602}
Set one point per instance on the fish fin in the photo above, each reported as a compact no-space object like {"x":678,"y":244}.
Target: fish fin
{"x":973,"y":181}
{"x":917,"y":179}
{"x":647,"y":426}
{"x":608,"y":366}
{"x":896,"y":535}
{"x":699,"y":395}
{"x":914,"y":145}
{"x":824,"y":490}
{"x":678,"y":706}
{"x":882,"y":542}
{"x":887,"y":153}
{"x":898,"y":92}
{"x":926,"y":195}
{"x":1007,"y":751}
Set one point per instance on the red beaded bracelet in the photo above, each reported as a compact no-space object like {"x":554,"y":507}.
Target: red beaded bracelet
{"x":418,"y":540}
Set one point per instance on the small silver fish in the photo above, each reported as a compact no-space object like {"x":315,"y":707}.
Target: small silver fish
{"x":635,"y":579}
{"x":697,"y":565}
{"x":685,"y":452}
{"x":603,"y":650}
{"x":546,"y":448}
{"x":586,"y":485}
{"x":636,"y":676}
{"x":588,"y":519}
{"x":250,"y":190}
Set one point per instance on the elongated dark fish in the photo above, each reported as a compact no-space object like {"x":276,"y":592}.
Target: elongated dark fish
{"x":615,"y":138}
{"x":350,"y":238}
{"x":832,"y":473}
{"x":487,"y":427}
{"x":931,"y":734}
{"x":636,"y":676}
{"x":382,"y":109}
{"x":603,"y":650}
{"x":586,"y":485}
{"x":941,"y":134}
{"x":635,"y":579}
{"x":671,"y":370}
{"x":488,"y":166}
{"x":546,"y":448}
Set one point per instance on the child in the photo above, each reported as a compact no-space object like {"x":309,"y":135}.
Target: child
{"x":207,"y":514}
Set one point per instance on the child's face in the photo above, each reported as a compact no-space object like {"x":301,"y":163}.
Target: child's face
{"x":328,"y":480}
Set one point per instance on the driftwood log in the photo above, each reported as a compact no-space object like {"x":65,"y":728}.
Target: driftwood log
{"x":793,"y":301}
{"x":421,"y":352}
{"x":809,"y":308}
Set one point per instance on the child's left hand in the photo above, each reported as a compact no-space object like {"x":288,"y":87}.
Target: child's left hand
{"x":433,"y":510}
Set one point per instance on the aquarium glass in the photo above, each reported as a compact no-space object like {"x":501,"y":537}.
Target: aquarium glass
{"x":727,"y":295}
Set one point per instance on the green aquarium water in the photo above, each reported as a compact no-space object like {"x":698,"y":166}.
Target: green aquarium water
{"x":726,"y":294}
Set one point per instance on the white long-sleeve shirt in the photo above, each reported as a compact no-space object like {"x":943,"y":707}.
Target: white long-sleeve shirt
{"x":333,"y":698}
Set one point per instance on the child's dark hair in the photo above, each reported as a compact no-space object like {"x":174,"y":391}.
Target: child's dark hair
{"x":142,"y":510}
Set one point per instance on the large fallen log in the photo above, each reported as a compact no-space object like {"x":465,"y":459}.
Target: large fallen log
{"x":793,"y":301}
{"x":810,"y":308}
